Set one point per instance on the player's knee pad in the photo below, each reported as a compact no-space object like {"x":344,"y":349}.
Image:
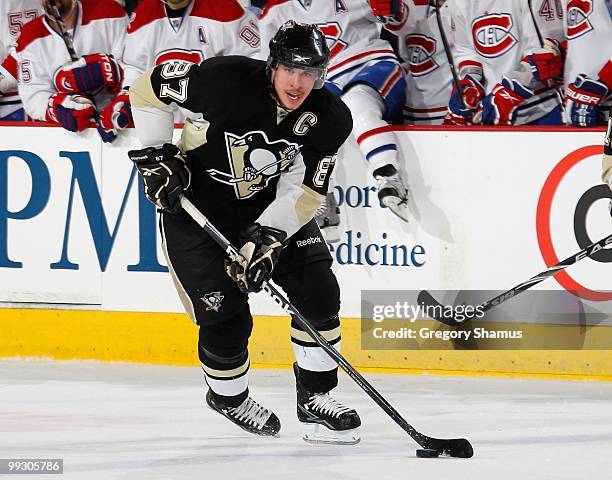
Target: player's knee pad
{"x":315,"y":293}
{"x":226,"y":342}
{"x":387,"y":79}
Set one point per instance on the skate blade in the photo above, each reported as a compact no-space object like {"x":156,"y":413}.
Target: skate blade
{"x":397,"y":206}
{"x":315,"y":433}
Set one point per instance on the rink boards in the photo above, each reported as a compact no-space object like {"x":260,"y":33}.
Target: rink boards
{"x":491,"y":209}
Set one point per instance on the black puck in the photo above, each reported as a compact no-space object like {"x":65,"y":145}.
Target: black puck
{"x":427,"y":453}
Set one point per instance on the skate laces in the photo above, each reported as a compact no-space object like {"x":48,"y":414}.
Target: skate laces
{"x":394,"y":182}
{"x":252,"y":412}
{"x":324,"y":403}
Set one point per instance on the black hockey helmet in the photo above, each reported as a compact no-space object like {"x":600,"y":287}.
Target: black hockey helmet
{"x":300,"y":45}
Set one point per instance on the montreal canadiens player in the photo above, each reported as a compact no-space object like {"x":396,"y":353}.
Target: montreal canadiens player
{"x":588,"y":67}
{"x":259,"y":173}
{"x":420,"y":46}
{"x":13,"y":15}
{"x":187,"y":31}
{"x":507,"y":75}
{"x":365,"y":71}
{"x":56,"y":89}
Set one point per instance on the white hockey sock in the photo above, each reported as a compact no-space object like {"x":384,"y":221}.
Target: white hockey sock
{"x":367,"y":108}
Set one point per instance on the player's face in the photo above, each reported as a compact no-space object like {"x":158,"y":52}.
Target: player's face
{"x":293,"y":85}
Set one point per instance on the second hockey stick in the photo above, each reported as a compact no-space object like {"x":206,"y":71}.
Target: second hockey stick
{"x":457,"y":447}
{"x":431,"y":304}
{"x":449,"y":54}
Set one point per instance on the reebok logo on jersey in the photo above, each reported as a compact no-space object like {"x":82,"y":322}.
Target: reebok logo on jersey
{"x":420,"y":52}
{"x":491,"y":34}
{"x":578,"y":23}
{"x":308,"y":241}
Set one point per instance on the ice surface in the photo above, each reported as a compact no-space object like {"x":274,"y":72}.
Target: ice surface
{"x":120,"y":421}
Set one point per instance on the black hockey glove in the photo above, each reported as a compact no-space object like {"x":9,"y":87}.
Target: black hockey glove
{"x":259,"y":252}
{"x":164,"y":174}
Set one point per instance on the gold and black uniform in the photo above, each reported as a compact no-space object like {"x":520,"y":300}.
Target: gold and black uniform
{"x":251,"y":161}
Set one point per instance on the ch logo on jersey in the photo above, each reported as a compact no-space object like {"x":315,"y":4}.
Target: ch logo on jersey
{"x":420,"y":52}
{"x":254,"y":160}
{"x":179,"y":55}
{"x":492,"y":36}
{"x":213,"y":300}
{"x":578,"y":12}
{"x":333,"y":32}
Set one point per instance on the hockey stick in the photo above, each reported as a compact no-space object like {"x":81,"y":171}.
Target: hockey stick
{"x":458,"y":447}
{"x":429,"y":303}
{"x":447,"y":50}
{"x":72,"y":52}
{"x":535,"y":24}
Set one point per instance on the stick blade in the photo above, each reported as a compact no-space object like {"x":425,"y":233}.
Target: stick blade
{"x":456,"y":447}
{"x":431,"y":306}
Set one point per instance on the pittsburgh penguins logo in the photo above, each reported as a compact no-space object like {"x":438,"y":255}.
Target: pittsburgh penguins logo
{"x":254,"y":160}
{"x":492,"y":34}
{"x":420,"y":51}
{"x":578,"y":23}
{"x":213,"y":300}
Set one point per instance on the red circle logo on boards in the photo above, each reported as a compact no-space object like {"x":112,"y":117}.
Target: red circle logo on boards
{"x":543,"y":220}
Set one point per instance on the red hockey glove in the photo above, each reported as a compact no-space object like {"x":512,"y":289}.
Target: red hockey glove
{"x":88,"y":74}
{"x":499,"y":107}
{"x":73,"y":112}
{"x":116,"y":115}
{"x":473,"y":93}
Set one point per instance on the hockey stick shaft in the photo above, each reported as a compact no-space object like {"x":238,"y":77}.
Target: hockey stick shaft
{"x":425,"y":298}
{"x":540,"y":277}
{"x":535,"y":23}
{"x":453,"y":447}
{"x":449,"y":54}
{"x":71,"y":51}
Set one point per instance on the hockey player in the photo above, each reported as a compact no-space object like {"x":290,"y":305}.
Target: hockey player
{"x":428,"y":79}
{"x":187,"y":31}
{"x":13,"y":15}
{"x":365,"y":71}
{"x":588,"y":69}
{"x":258,"y":172}
{"x":59,"y":90}
{"x":506,"y":74}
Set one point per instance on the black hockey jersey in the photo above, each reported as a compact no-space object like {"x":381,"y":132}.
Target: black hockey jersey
{"x":254,"y":164}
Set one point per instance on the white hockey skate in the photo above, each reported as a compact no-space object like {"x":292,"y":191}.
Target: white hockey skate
{"x":392,"y":191}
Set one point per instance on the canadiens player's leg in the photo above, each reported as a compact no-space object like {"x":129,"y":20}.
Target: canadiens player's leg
{"x":375,"y":97}
{"x":220,"y":309}
{"x":304,"y":272}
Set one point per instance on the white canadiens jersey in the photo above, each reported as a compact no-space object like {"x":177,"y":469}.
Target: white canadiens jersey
{"x":207,"y":29}
{"x":428,"y":76}
{"x":14,"y":14}
{"x":100,"y":28}
{"x":589,"y":38}
{"x":496,"y":35}
{"x":351,"y":29}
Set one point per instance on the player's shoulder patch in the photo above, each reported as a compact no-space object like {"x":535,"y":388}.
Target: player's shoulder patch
{"x":32,"y":31}
{"x":146,"y":12}
{"x":101,"y":10}
{"x":270,"y":5}
{"x":219,"y":10}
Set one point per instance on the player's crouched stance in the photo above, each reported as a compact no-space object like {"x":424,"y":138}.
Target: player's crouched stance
{"x":259,"y":169}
